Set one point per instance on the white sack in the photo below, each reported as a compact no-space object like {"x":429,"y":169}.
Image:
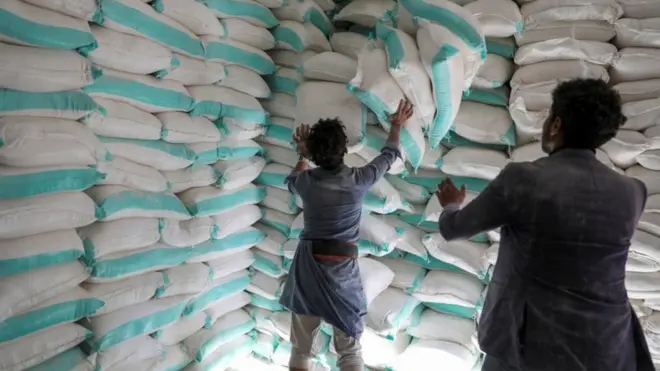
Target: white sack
{"x":126,"y":292}
{"x":483,"y":123}
{"x":184,"y":179}
{"x":146,"y":22}
{"x":390,"y":311}
{"x":48,"y":29}
{"x":640,"y":8}
{"x":217,"y":101}
{"x":179,"y":127}
{"x":237,"y":173}
{"x":181,"y":329}
{"x":144,"y":318}
{"x":348,"y":43}
{"x":106,"y":238}
{"x":407,"y":69}
{"x":41,"y":346}
{"x":284,"y":105}
{"x":45,"y":213}
{"x":376,"y":277}
{"x":24,"y":291}
{"x":568,"y":48}
{"x":449,"y":287}
{"x":330,"y":66}
{"x":159,"y":155}
{"x":129,"y":352}
{"x":128,"y":53}
{"x":20,"y":255}
{"x":378,"y":90}
{"x":545,"y":11}
{"x":495,"y":72}
{"x":650,"y":178}
{"x":85,"y":9}
{"x":248,"y":34}
{"x":580,"y":30}
{"x":118,"y":202}
{"x":467,"y":255}
{"x":191,"y":71}
{"x":192,"y":15}
{"x":298,"y":37}
{"x":643,"y":33}
{"x":145,"y":92}
{"x":636,"y":64}
{"x":638,"y":90}
{"x":122,"y":120}
{"x":184,"y":233}
{"x":625,"y":147}
{"x":43,"y":70}
{"x":322,"y":100}
{"x":641,"y":115}
{"x":474,"y":162}
{"x":366,"y":12}
{"x":227,"y":223}
{"x":498,"y":18}
{"x":445,"y":65}
{"x":247,"y":10}
{"x":36,"y":141}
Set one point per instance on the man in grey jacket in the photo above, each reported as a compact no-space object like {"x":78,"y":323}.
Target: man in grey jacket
{"x":557,"y":300}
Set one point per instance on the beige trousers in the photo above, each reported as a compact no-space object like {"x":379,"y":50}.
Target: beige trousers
{"x":304,"y":331}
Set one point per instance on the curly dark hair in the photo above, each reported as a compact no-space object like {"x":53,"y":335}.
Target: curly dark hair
{"x":589,"y":110}
{"x":327,"y":143}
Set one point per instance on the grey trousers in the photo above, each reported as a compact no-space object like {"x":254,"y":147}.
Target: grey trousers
{"x":304,"y":330}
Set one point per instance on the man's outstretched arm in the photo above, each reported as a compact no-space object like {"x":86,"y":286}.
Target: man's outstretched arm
{"x":300,"y":138}
{"x":291,"y":179}
{"x":369,"y":174}
{"x":491,"y":209}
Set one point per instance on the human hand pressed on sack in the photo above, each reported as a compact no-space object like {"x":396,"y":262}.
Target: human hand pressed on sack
{"x":402,"y":114}
{"x":447,"y":193}
{"x":300,"y":138}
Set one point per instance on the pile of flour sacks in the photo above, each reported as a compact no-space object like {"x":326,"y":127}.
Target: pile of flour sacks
{"x":144,"y":219}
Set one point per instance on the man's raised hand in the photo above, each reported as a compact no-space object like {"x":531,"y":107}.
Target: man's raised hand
{"x":300,"y":138}
{"x":402,"y":114}
{"x":447,"y":193}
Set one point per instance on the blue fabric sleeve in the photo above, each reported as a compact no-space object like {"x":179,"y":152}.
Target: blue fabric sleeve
{"x":490,"y":210}
{"x":291,"y":181}
{"x":369,"y":174}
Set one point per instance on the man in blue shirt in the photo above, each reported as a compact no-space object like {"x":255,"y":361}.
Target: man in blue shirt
{"x":324,"y":280}
{"x":557,"y":300}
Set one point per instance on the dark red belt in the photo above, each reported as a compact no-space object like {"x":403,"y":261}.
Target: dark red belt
{"x":334,"y":250}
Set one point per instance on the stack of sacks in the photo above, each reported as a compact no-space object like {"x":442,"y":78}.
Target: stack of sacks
{"x":636,"y":76}
{"x":444,"y":326}
{"x":452,"y":48}
{"x":483,"y":119}
{"x":47,"y":160}
{"x":499,"y":21}
{"x":192,"y":69}
{"x":341,"y":66}
{"x":214,"y":330}
{"x":560,"y":40}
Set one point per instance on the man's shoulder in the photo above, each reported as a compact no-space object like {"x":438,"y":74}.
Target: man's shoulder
{"x":520,"y":170}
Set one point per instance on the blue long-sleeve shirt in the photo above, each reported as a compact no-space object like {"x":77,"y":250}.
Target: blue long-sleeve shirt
{"x":333,"y":199}
{"x":332,"y":290}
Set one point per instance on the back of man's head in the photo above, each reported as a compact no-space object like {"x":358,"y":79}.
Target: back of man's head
{"x":327,"y":143}
{"x":589,"y":111}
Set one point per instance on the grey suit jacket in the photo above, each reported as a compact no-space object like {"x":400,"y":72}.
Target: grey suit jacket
{"x":557,"y":299}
